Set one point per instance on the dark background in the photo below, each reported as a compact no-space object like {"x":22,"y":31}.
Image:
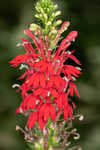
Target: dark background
{"x":84,"y":15}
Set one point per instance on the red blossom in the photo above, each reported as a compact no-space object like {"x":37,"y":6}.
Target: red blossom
{"x":48,"y":80}
{"x":29,"y":102}
{"x":68,"y":112}
{"x":72,"y":89}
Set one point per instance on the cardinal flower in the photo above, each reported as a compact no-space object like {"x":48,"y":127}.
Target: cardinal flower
{"x":49,"y":79}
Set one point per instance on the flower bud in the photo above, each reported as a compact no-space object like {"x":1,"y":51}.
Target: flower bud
{"x":49,"y":23}
{"x":65,"y":25}
{"x":58,"y":22}
{"x":57,"y":13}
{"x":55,"y":6}
{"x":34,"y":27}
{"x":72,"y":35}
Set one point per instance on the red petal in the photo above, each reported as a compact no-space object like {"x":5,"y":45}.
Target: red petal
{"x":63,"y":46}
{"x":32,"y":78}
{"x":46,"y":112}
{"x":74,"y":59}
{"x":57,"y":82}
{"x":50,"y":69}
{"x":76,"y":91}
{"x":24,"y":89}
{"x":66,"y":113}
{"x":64,"y":99}
{"x":29,"y":33}
{"x":41,"y":111}
{"x":41,"y":92}
{"x":22,"y":76}
{"x":32,"y":119}
{"x":59,"y":102}
{"x":62,"y":83}
{"x":70,"y":111}
{"x":71,"y":91}
{"x":52,"y":112}
{"x":36,"y":83}
{"x":27,"y":45}
{"x":42,"y":80}
{"x":41,"y":123}
{"x":50,"y":82}
{"x":18,"y":60}
{"x":31,"y":102}
{"x":38,"y":91}
{"x":66,"y":24}
{"x":53,"y":92}
{"x":17,"y":110}
{"x":72,"y":88}
{"x":72,"y":35}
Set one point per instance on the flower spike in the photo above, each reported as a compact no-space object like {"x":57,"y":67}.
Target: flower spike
{"x":48,"y":78}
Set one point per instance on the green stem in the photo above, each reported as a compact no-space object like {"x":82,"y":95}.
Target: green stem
{"x":45,"y":133}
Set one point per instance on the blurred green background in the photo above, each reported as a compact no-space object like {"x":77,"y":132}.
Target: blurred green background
{"x":16,"y":15}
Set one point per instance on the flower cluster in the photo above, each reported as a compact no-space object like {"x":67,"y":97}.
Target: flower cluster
{"x":48,"y":80}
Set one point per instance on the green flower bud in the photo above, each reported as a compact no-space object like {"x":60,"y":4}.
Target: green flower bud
{"x":34,"y":27}
{"x":57,"y":13}
{"x":55,"y":6}
{"x":58,"y":22}
{"x":49,"y":23}
{"x":53,"y":32}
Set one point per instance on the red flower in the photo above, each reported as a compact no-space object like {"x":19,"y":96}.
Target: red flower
{"x":62,"y":100}
{"x":19,"y":59}
{"x":48,"y":80}
{"x":47,"y":110}
{"x":72,"y":89}
{"x":29,"y":102}
{"x":68,"y":112}
{"x":71,"y":71}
